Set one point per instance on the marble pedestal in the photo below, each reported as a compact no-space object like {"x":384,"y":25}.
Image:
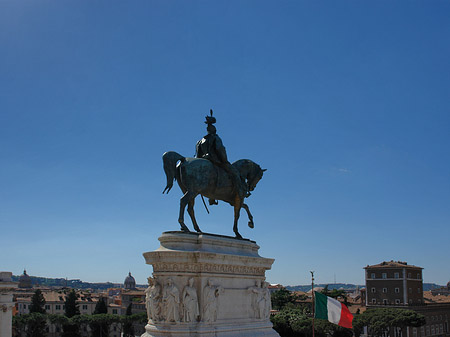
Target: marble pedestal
{"x":6,"y":303}
{"x":207,"y":285}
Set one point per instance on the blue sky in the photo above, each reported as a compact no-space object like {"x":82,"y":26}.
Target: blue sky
{"x":346,"y":103}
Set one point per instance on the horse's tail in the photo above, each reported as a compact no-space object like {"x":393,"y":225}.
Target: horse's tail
{"x":170,"y":160}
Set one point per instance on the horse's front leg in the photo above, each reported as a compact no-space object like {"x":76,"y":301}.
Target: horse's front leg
{"x":250,"y":216}
{"x":192,"y":215}
{"x":237,"y":211}
{"x":183,"y":202}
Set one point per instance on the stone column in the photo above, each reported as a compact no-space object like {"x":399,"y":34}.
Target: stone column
{"x":207,"y":285}
{"x":6,"y":303}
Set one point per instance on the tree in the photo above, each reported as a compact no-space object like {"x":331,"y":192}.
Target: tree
{"x":71,"y":329}
{"x":128,"y":330}
{"x":58,"y":321}
{"x":380,"y":320}
{"x":37,"y":302}
{"x":100,"y":322}
{"x":71,"y":305}
{"x":35,"y":324}
{"x":282,"y":297}
{"x":101,"y":307}
{"x":294,"y":322}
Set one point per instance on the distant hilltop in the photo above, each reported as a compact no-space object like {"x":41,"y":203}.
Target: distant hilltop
{"x":349,"y":286}
{"x":76,"y":284}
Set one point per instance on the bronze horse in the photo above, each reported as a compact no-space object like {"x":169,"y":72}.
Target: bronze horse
{"x":199,"y":176}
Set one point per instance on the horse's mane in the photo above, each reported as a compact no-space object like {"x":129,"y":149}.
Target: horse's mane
{"x":248,"y":166}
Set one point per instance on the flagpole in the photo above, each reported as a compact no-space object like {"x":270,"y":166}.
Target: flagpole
{"x":313,"y":306}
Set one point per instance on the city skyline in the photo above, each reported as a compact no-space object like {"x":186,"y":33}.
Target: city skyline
{"x":344,"y":103}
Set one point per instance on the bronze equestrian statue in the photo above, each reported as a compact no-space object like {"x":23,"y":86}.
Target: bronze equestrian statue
{"x":212,"y":176}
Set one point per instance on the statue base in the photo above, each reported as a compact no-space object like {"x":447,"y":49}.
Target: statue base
{"x":207,"y":285}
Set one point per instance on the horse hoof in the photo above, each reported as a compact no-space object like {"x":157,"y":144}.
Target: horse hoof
{"x":251,"y":224}
{"x":185,"y":229}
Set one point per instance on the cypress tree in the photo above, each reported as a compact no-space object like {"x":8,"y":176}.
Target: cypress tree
{"x":71,"y":309}
{"x":128,"y":330}
{"x":100,"y":307}
{"x":37,"y":302}
{"x":99,"y":327}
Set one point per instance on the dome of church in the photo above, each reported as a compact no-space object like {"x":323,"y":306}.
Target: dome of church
{"x":25,"y":280}
{"x":130,"y":283}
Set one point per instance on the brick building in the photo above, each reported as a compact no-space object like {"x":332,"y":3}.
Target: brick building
{"x":397,"y":284}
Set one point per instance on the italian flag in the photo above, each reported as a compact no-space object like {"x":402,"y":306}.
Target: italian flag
{"x":332,"y":310}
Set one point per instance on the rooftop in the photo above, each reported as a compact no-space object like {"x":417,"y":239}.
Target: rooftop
{"x":392,"y":264}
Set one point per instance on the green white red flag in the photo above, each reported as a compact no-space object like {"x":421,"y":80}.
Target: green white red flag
{"x":332,"y":310}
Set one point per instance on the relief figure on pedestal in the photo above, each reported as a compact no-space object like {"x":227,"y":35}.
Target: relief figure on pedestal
{"x":211,"y":295}
{"x":256,"y":296}
{"x":190,"y":302}
{"x":171,"y":302}
{"x":153,"y":299}
{"x":267,"y":300}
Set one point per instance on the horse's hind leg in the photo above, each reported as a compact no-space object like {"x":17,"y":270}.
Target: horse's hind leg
{"x":190,"y":210}
{"x":250,"y":216}
{"x":183,"y":202}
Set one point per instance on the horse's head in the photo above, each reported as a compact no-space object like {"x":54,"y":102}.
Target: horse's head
{"x":254,"y":177}
{"x":250,"y":171}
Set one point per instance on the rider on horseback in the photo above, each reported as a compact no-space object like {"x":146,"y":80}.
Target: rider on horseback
{"x":211,"y":147}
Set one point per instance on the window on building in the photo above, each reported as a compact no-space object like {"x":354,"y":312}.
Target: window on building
{"x":384,"y":290}
{"x":372,"y":275}
{"x":441,"y":328}
{"x":410,"y":301}
{"x":414,"y":332}
{"x":410,"y":290}
{"x":409,"y":275}
{"x":418,"y":276}
{"x":85,"y":307}
{"x":57,"y":329}
{"x":433,"y":331}
{"x":422,"y":331}
{"x":384,"y":275}
{"x":115,"y":311}
{"x":397,"y":301}
{"x":373,"y":290}
{"x":396,"y":275}
{"x":428,"y":330}
{"x":385,"y":302}
{"x":397,"y":290}
{"x":419,"y":300}
{"x":374,"y":301}
{"x":47,"y":307}
{"x":58,"y":307}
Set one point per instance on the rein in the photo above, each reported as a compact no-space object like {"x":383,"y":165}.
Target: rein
{"x":204,"y":203}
